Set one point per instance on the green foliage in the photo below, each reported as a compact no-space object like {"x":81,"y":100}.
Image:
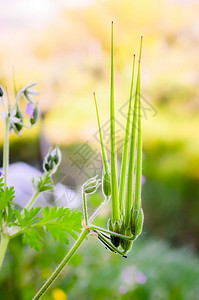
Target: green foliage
{"x":45,"y":183}
{"x":6,"y":197}
{"x":60,"y":222}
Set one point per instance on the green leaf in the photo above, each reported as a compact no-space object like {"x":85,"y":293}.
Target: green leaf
{"x":60,"y":222}
{"x":6,"y":196}
{"x":33,"y":238}
{"x":45,"y":183}
{"x":30,"y":217}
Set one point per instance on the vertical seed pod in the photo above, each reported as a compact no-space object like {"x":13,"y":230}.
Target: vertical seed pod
{"x":106,"y":185}
{"x":125,"y":244}
{"x":116,"y":228}
{"x":137,"y":219}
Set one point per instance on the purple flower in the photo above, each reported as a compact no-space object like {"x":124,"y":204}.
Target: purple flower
{"x":30,"y":110}
{"x":1,"y":174}
{"x":141,"y":278}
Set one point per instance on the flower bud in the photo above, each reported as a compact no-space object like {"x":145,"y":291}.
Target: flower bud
{"x":137,"y":219}
{"x":91,"y":185}
{"x":116,"y":228}
{"x":35,"y":116}
{"x":106,"y":185}
{"x":20,"y":116}
{"x":52,"y":160}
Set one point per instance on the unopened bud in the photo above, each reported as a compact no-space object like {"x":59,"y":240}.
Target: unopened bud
{"x":52,"y":160}
{"x":91,"y":185}
{"x":35,"y":116}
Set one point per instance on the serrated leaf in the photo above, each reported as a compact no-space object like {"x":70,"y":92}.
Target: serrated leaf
{"x":60,"y":222}
{"x":45,"y":183}
{"x":33,"y":238}
{"x":6,"y":196}
{"x":30,"y":217}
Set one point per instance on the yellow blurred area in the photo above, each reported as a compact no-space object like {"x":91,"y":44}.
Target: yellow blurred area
{"x":65,"y":46}
{"x":59,"y":294}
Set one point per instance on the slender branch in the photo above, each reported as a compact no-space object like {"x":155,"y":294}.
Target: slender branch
{"x":125,"y":237}
{"x":62,"y":265}
{"x":3,"y":247}
{"x":98,"y":210}
{"x":85,"y":208}
{"x":30,"y":202}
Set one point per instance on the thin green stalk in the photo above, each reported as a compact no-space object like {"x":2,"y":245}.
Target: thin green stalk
{"x":129,"y":194}
{"x":3,"y":247}
{"x":62,"y":265}
{"x":114,"y":187}
{"x":138,"y":179}
{"x":31,"y":202}
{"x":5,"y":237}
{"x":125,"y":237}
{"x":85,"y":208}
{"x":125,"y":148}
{"x":104,"y":157}
{"x":98,"y":210}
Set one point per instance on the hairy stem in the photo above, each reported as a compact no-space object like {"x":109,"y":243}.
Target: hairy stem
{"x":31,"y":202}
{"x":85,"y":208}
{"x":3,"y":247}
{"x":61,"y":266}
{"x":5,"y":237}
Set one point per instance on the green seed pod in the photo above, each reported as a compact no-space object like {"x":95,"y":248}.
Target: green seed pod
{"x":20,"y":116}
{"x":35,"y":116}
{"x":116,"y":228}
{"x":125,"y":244}
{"x":137,"y":219}
{"x":1,"y":92}
{"x":106,"y":185}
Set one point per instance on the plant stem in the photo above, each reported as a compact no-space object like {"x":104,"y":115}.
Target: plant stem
{"x":5,"y":237}
{"x":6,"y":151}
{"x":31,"y":202}
{"x":3,"y":247}
{"x":85,"y":208}
{"x":61,"y":266}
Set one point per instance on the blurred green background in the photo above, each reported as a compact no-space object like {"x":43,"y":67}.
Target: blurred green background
{"x":64,"y":45}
